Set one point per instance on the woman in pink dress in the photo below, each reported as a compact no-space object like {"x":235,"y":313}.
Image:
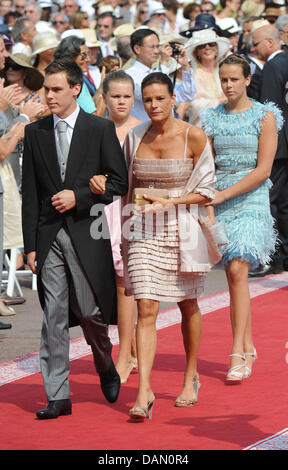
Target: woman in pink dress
{"x":166,"y":258}
{"x":118,"y":95}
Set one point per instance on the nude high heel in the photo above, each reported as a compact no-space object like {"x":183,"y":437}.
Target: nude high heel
{"x":186,"y":402}
{"x":142,"y":412}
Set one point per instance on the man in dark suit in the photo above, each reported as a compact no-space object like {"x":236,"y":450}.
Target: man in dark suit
{"x":75,"y":269}
{"x":266,"y":40}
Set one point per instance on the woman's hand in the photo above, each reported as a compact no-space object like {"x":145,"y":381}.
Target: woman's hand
{"x":97,"y":184}
{"x":219,"y":198}
{"x":158,"y":204}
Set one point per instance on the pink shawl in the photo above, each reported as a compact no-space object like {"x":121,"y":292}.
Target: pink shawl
{"x":198,"y":248}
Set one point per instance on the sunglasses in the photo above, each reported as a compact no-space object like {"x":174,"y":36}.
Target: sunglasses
{"x":12,"y":65}
{"x":210,"y":44}
{"x":58,"y":22}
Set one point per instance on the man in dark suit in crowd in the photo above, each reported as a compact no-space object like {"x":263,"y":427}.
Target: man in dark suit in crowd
{"x":75,"y":270}
{"x":266,"y":40}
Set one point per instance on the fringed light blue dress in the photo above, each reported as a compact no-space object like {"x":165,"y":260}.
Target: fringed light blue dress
{"x":249,"y":224}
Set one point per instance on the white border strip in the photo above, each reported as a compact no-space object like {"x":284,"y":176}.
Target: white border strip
{"x":28,"y":365}
{"x":278,"y":441}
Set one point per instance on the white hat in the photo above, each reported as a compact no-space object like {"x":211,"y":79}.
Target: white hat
{"x":205,"y":36}
{"x":229,"y":24}
{"x":72,"y":32}
{"x":155,"y":8}
{"x":45,"y":3}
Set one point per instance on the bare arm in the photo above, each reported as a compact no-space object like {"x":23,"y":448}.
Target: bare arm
{"x":9,"y":140}
{"x":266,"y":152}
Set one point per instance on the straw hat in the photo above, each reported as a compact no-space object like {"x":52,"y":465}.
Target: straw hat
{"x":205,"y":36}
{"x":125,"y":29}
{"x":91,"y":38}
{"x":105,"y":9}
{"x":34,"y":79}
{"x":251,"y":8}
{"x":44,"y":41}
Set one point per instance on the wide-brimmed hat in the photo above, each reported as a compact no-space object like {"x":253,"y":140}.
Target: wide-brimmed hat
{"x":44,"y":41}
{"x":205,"y":21}
{"x":207,"y":36}
{"x":229,"y":24}
{"x":34,"y":79}
{"x":90,"y":37}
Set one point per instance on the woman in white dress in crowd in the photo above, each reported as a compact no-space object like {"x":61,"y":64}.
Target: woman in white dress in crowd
{"x":118,"y":96}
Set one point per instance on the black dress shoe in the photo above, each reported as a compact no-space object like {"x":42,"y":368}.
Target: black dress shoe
{"x":55,"y":408}
{"x":110,"y":384}
{"x":265,"y":270}
{"x":5,"y":326}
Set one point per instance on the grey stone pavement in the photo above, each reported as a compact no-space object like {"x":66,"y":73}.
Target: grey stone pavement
{"x":24,"y":336}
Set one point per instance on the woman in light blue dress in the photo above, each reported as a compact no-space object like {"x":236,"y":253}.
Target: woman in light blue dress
{"x":243,"y":135}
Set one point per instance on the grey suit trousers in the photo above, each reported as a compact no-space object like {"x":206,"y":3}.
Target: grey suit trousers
{"x":66,"y":287}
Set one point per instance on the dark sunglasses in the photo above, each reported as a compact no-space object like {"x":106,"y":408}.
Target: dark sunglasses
{"x":210,"y":44}
{"x":11,"y":65}
{"x":60,"y":22}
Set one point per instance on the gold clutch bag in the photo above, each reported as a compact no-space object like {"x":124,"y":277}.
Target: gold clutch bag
{"x":138,"y":194}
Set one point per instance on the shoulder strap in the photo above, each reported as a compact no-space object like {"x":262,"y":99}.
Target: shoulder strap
{"x":186,"y":139}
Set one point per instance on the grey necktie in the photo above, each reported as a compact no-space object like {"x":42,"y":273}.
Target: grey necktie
{"x":63,"y":146}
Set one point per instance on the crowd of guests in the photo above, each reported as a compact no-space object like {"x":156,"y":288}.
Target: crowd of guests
{"x":119,"y":45}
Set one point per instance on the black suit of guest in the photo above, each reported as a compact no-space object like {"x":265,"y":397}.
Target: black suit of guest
{"x":254,"y":88}
{"x":75,"y":271}
{"x":274,"y":88}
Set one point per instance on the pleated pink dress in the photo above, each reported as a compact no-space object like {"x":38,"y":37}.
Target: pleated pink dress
{"x":154,"y":254}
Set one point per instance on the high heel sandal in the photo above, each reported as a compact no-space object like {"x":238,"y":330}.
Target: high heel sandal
{"x":248,"y":370}
{"x":130,"y":368}
{"x":233,"y":372}
{"x":142,"y":412}
{"x":185,"y":402}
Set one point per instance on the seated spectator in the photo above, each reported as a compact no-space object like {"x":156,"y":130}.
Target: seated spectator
{"x":23,"y":33}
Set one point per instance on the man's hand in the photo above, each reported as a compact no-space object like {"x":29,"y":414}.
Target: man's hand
{"x":64,"y":200}
{"x":31,"y":261}
{"x":97,"y":184}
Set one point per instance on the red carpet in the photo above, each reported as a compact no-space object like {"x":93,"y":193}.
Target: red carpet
{"x":225,"y":417}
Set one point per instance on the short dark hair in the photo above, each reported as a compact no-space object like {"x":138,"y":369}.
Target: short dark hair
{"x":158,"y":77}
{"x":73,"y":72}
{"x":69,"y":47}
{"x":108,"y":14}
{"x":117,"y":76}
{"x":139,"y":35}
{"x":235,"y":59}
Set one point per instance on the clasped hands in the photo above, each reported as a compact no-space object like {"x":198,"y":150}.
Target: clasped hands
{"x":12,"y":96}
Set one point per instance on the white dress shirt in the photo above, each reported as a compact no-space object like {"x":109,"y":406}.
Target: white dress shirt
{"x":185,"y":90}
{"x":70,"y":120}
